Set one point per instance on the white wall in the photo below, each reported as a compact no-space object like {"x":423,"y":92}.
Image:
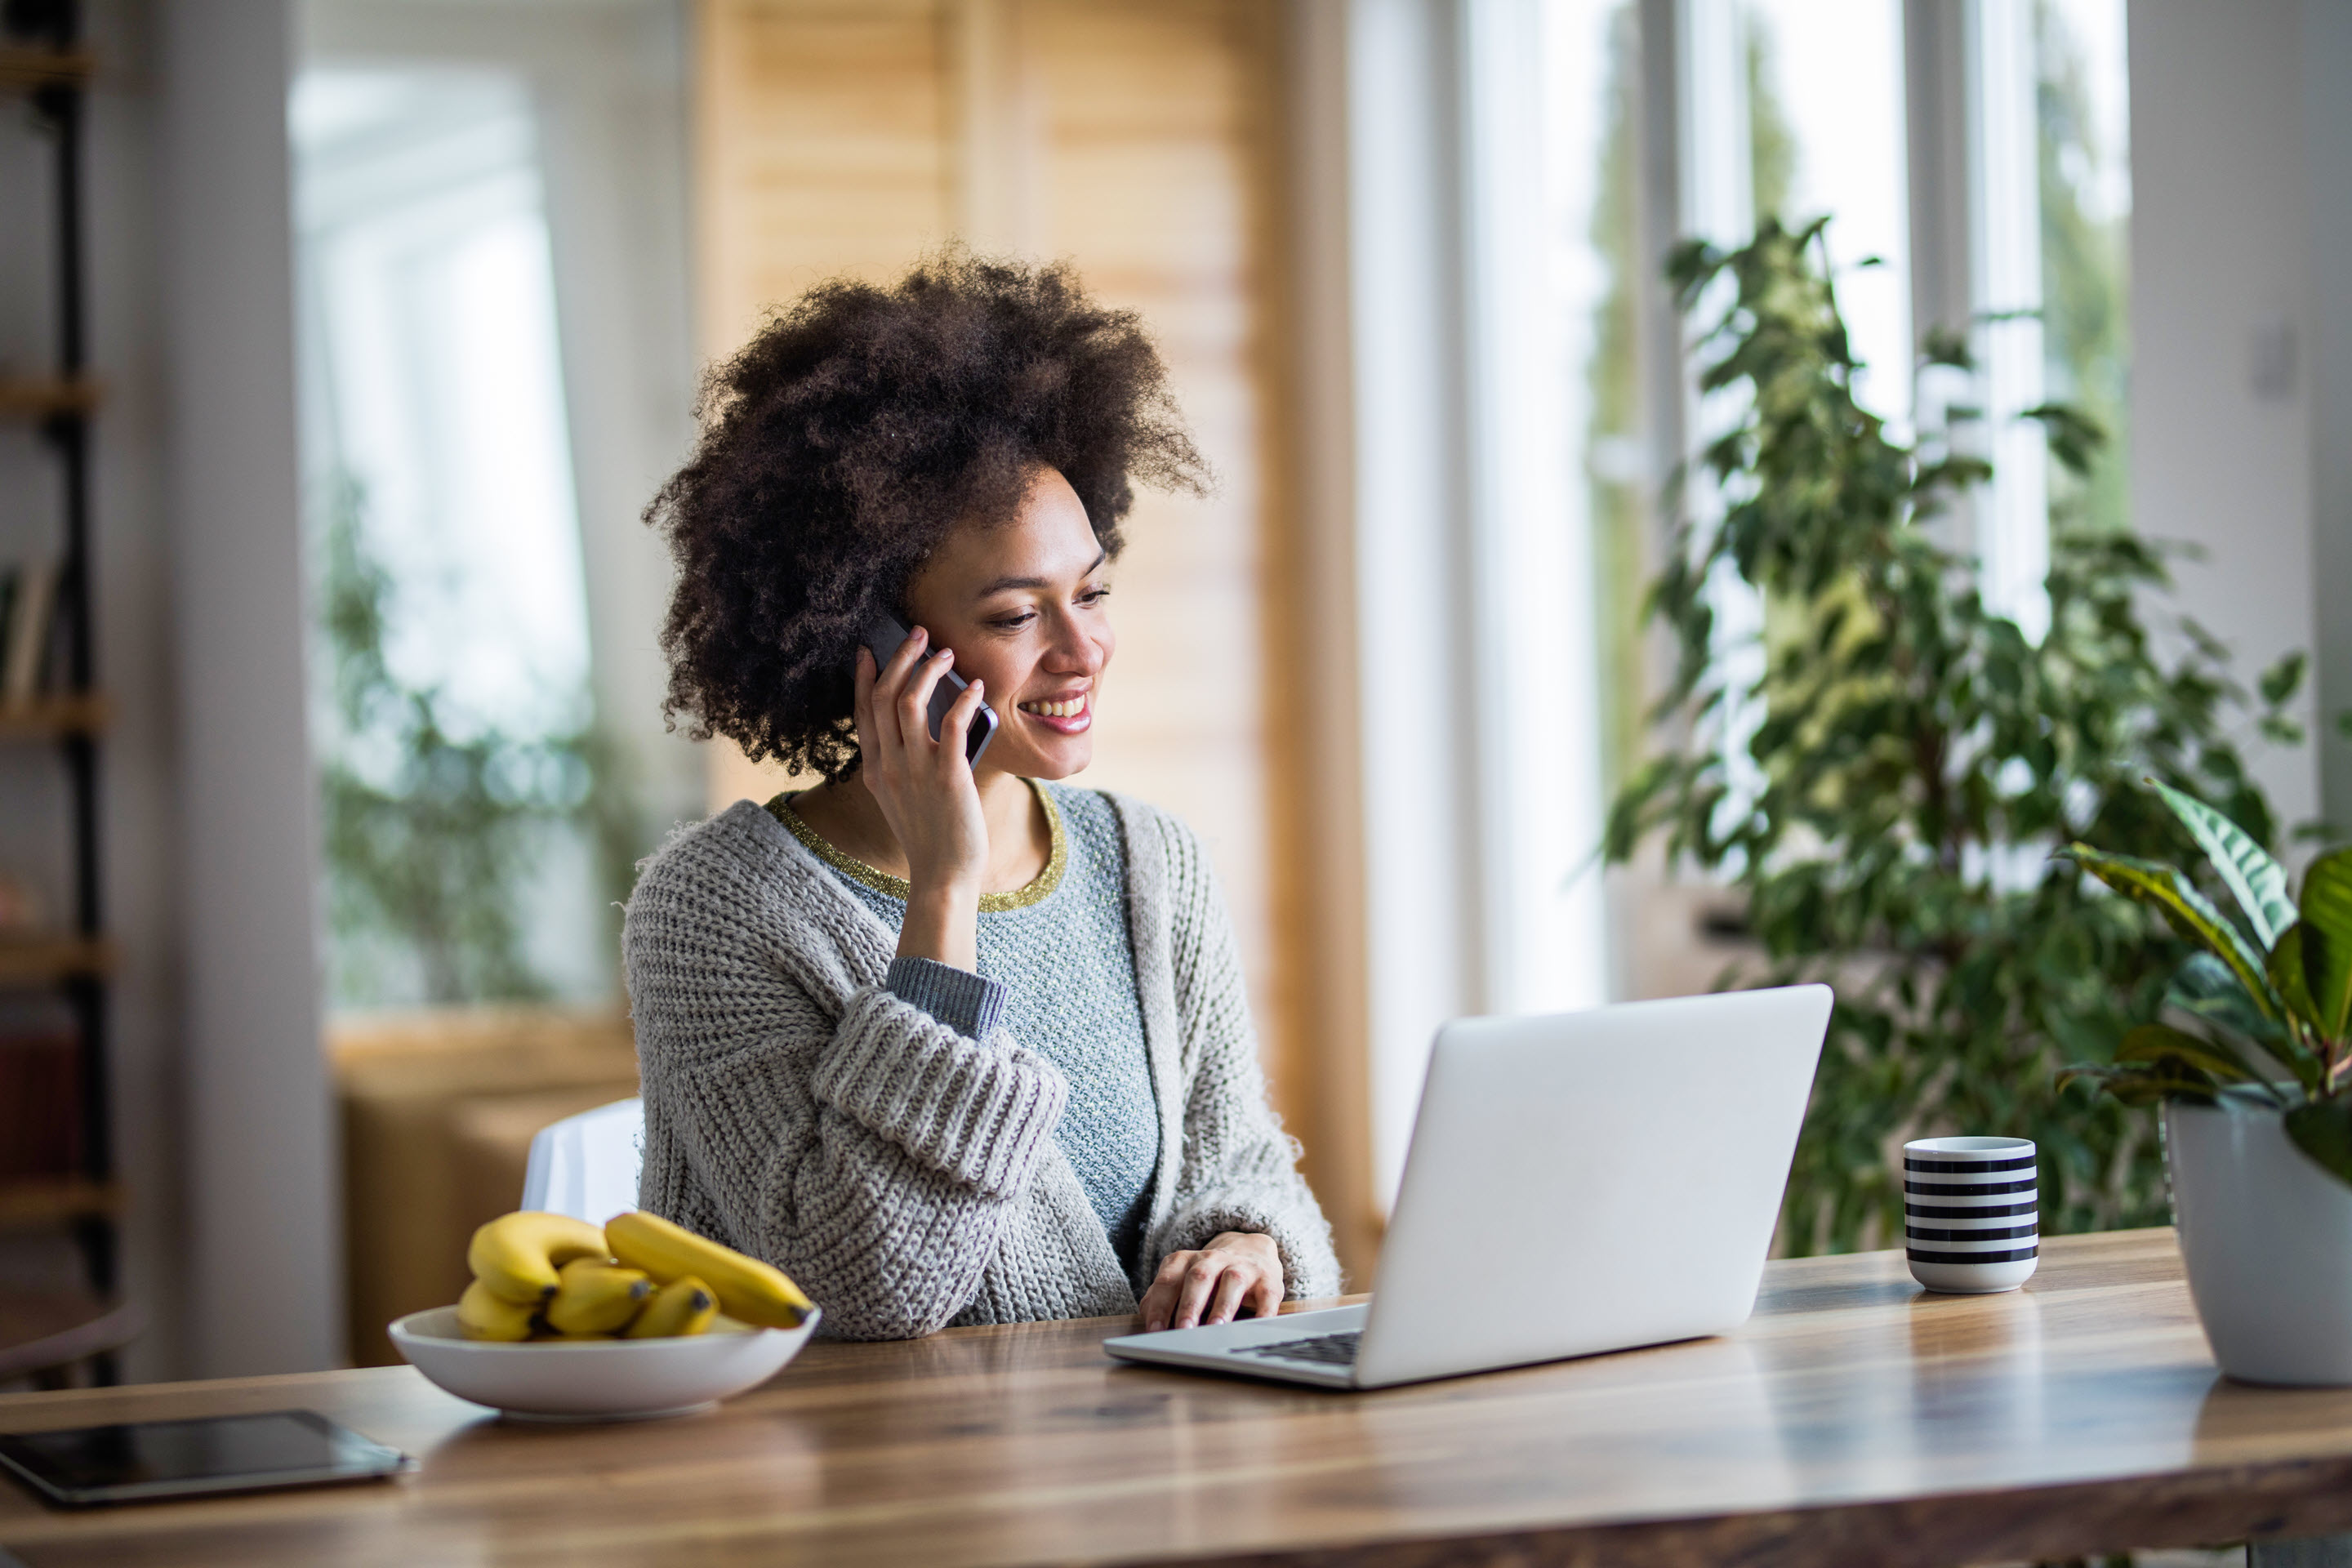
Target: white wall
{"x":262,"y":1231}
{"x":138,"y":815}
{"x":2221,"y":255}
{"x":2326,"y":54}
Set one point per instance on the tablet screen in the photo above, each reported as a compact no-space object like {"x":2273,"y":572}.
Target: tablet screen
{"x":175,"y":1459}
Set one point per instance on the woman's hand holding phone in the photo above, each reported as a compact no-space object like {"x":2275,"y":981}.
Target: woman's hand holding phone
{"x":927,"y":793}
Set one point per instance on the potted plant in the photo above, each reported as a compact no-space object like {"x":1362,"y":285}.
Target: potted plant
{"x":2254,"y":1072}
{"x":1884,"y":788}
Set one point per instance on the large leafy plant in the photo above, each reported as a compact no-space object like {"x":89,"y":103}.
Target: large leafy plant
{"x":1889,"y":796}
{"x":2265,"y":1000}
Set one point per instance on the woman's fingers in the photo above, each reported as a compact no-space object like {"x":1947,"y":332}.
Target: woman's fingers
{"x":889,"y":688}
{"x":1199,"y":1282}
{"x":955,"y":727}
{"x":1226,"y":1304}
{"x":1265,"y":1296}
{"x":915,"y":698}
{"x":907,"y":653}
{"x":1210,"y":1286}
{"x":1158,"y":1302}
{"x":861,"y":707}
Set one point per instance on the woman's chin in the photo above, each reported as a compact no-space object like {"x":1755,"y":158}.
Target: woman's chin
{"x":1054,"y":757}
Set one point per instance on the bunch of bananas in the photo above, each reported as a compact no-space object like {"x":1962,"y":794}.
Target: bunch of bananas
{"x":551,"y":1276}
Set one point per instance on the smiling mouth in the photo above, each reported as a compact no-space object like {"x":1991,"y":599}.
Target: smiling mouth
{"x":1070,"y":715}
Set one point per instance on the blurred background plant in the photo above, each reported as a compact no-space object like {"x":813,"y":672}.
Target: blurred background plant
{"x":1911,"y":761}
{"x":437,"y":825}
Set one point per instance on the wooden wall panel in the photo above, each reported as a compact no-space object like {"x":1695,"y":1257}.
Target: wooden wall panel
{"x":1151,"y":173}
{"x":823,"y":148}
{"x":1138,"y":139}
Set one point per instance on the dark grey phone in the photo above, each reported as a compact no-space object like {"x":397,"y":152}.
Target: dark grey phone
{"x":884,"y":637}
{"x":144,"y":1461}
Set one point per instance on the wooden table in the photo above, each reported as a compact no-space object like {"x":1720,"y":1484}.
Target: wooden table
{"x":1852,"y":1420}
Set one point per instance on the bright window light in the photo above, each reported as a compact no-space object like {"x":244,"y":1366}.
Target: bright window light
{"x":1826,"y":118}
{"x":438,"y":385}
{"x":446,"y":546}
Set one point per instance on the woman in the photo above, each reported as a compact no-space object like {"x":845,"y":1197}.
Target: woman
{"x":946,"y":1043}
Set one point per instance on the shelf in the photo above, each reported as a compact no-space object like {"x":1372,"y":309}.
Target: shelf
{"x":48,"y":72}
{"x":21,"y":67}
{"x":42,"y":961}
{"x":29,"y":397}
{"x":30,"y":1202}
{"x":48,"y":718}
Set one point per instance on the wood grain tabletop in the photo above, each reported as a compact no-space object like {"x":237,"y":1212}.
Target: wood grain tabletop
{"x":1854,"y":1419}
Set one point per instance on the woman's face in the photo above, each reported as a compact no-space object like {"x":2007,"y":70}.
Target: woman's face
{"x":1021,"y":605}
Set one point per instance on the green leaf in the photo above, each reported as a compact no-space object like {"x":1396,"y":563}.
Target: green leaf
{"x":2282,"y":680}
{"x":2185,"y":908}
{"x":2256,"y":880}
{"x":2139,"y":1085}
{"x":2323,"y":1130}
{"x":2287,"y":973}
{"x":2156,"y":1042}
{"x":1944,"y":346}
{"x":2205,"y":986}
{"x":2328,"y":940}
{"x":2074,"y":437}
{"x":2286,"y":969}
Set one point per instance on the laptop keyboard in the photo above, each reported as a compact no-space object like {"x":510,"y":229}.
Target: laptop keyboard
{"x":1323,"y":1350}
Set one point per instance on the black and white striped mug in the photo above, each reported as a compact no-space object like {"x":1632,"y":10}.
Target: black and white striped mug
{"x":1971,"y":1224}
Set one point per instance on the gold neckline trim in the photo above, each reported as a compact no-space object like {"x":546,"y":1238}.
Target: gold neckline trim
{"x":881,"y":881}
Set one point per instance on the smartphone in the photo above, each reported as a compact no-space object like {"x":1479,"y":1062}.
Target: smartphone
{"x":884,"y":638}
{"x":146,"y":1461}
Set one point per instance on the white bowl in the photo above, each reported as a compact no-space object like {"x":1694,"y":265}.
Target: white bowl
{"x":596,"y":1380}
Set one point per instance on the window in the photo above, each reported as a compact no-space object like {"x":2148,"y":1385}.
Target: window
{"x":454,"y":723}
{"x":2083,"y":117}
{"x":2049,"y":202}
{"x":1826,"y":115}
{"x":1593,"y":132}
{"x":2010,"y":170}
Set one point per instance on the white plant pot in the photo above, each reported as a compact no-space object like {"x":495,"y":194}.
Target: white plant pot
{"x":2267,"y":1237}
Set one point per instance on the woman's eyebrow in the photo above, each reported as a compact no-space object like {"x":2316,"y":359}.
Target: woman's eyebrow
{"x":1002,"y":583}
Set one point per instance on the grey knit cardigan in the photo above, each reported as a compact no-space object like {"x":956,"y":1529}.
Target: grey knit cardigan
{"x":905,"y":1176}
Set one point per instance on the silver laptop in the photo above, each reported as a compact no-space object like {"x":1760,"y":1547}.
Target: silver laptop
{"x":1576,"y":1184}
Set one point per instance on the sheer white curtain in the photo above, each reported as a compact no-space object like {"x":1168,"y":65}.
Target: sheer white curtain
{"x":1480,"y":745}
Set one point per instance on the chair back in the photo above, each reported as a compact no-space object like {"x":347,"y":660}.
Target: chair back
{"x":586,"y":1165}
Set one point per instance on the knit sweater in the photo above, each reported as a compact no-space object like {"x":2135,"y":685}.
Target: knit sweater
{"x":906,"y":1175}
{"x":1056,"y":967}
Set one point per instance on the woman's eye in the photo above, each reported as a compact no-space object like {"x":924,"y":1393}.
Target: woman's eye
{"x":1013,"y":623}
{"x":1095,"y":595}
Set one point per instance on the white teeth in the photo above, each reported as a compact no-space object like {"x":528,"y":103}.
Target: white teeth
{"x":1069,"y":710}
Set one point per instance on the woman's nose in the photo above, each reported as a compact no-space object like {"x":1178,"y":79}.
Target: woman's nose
{"x":1076,"y":649}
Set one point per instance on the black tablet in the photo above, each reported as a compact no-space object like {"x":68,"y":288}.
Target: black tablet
{"x":144,"y":1461}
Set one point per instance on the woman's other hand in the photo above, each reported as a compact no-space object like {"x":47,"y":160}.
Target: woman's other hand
{"x":926,"y":792}
{"x":1236,"y":1269}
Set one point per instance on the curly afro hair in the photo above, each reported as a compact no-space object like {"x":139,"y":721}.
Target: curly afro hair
{"x":841,"y":445}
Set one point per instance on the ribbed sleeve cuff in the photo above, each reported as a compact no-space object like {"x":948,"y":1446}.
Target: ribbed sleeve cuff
{"x":972,"y":1004}
{"x":980,"y":1114}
